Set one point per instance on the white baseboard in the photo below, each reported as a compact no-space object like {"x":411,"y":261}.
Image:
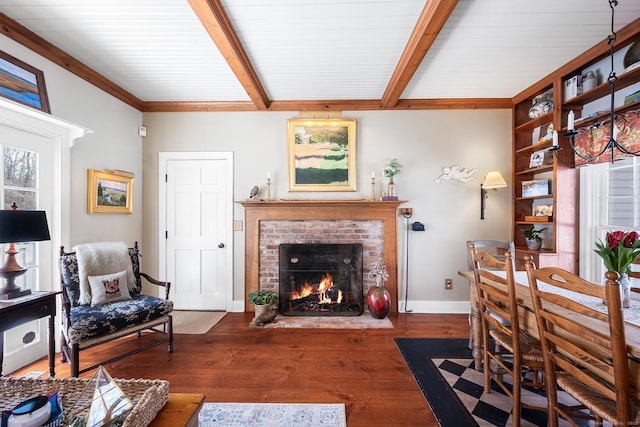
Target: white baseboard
{"x":442,"y":307}
{"x":237,"y":306}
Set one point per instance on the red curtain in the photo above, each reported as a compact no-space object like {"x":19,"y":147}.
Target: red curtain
{"x":591,"y":140}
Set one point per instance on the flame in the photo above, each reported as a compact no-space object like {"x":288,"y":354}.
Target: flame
{"x":324,"y":289}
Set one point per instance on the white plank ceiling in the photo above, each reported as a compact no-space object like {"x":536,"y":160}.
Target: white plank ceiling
{"x":158,"y":50}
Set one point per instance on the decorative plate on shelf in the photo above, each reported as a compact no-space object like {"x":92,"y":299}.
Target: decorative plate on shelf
{"x":632,"y":57}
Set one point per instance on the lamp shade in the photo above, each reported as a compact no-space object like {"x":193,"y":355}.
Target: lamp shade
{"x":493,"y":181}
{"x":23,"y":226}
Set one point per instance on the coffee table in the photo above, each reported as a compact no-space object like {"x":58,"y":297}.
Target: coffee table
{"x":182,"y":409}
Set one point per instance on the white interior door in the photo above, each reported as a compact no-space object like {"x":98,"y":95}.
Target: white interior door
{"x":196,"y":229}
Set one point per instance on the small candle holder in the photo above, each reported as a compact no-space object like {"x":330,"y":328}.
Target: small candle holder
{"x":268,"y":188}
{"x":373,"y":188}
{"x":570,"y":133}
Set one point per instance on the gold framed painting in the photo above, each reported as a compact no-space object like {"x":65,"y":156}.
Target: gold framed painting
{"x":322,"y":154}
{"x":109,"y":192}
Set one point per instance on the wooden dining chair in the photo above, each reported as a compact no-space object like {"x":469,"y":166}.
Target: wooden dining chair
{"x":497,"y":248}
{"x":515,"y":353}
{"x":584,"y":350}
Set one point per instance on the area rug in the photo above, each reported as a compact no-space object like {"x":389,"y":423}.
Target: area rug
{"x":195,"y":322}
{"x":443,"y":369}
{"x":364,"y":321}
{"x":272,"y":415}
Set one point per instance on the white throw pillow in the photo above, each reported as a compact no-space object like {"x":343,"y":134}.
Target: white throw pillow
{"x":109,"y":288}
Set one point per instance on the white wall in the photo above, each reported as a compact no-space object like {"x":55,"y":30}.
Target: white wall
{"x":423,"y":141}
{"x":114,"y":144}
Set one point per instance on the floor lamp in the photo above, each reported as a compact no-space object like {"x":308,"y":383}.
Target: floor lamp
{"x":18,"y":226}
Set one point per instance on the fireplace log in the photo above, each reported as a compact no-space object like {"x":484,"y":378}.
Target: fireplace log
{"x":308,"y":300}
{"x":311,"y":303}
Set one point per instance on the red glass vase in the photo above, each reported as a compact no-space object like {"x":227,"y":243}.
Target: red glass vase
{"x":378,"y":302}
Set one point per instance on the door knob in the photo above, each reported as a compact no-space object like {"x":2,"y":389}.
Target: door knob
{"x":221,"y":245}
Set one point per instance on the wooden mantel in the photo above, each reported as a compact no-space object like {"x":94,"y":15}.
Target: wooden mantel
{"x":278,"y":210}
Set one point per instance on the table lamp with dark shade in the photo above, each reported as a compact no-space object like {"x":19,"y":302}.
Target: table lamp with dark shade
{"x":18,"y":226}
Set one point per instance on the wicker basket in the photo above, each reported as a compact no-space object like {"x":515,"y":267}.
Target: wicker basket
{"x":146,"y":396}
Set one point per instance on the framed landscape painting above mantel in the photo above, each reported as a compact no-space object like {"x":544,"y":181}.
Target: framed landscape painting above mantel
{"x":109,"y":192}
{"x":322,"y":154}
{"x":22,"y":83}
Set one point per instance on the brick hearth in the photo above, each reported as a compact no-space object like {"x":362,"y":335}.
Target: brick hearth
{"x":372,"y":223}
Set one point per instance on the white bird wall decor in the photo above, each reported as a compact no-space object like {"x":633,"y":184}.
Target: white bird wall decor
{"x":454,"y":173}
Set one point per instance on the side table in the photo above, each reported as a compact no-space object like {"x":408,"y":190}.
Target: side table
{"x":25,"y":309}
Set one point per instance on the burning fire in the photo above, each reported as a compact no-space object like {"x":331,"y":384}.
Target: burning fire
{"x":324,"y":290}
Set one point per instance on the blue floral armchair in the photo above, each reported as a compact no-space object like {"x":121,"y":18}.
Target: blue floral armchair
{"x":85,"y":325}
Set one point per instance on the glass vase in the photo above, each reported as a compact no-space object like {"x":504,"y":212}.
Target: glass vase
{"x":391,"y":188}
{"x":625,"y":288}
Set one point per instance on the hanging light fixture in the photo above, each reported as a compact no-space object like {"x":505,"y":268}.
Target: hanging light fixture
{"x":612,"y":143}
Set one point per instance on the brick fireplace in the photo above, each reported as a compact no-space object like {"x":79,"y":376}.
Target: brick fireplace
{"x":270,"y":223}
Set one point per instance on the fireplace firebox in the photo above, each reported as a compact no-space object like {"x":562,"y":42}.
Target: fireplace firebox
{"x":320,"y":279}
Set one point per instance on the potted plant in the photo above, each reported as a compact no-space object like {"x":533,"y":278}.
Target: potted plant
{"x":262,"y":298}
{"x":532,"y":237}
{"x":392,"y":169}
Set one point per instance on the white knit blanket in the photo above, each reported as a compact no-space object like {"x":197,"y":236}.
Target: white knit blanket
{"x":97,"y":259}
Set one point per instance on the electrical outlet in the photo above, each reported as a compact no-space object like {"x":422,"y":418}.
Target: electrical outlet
{"x":448,"y":284}
{"x":237,"y":225}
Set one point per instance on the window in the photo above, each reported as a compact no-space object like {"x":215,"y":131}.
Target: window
{"x":623,"y":200}
{"x":610,"y":200}
{"x":19,"y":185}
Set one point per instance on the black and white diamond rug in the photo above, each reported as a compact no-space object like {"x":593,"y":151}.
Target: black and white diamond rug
{"x":443,"y":369}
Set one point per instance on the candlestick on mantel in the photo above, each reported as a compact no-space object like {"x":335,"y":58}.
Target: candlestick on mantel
{"x":555,"y":138}
{"x":268,"y":187}
{"x":373,"y":186}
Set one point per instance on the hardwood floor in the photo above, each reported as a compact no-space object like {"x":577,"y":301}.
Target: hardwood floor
{"x":233,"y":363}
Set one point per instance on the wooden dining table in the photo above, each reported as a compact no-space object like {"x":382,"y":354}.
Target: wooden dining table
{"x":528,"y":321}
